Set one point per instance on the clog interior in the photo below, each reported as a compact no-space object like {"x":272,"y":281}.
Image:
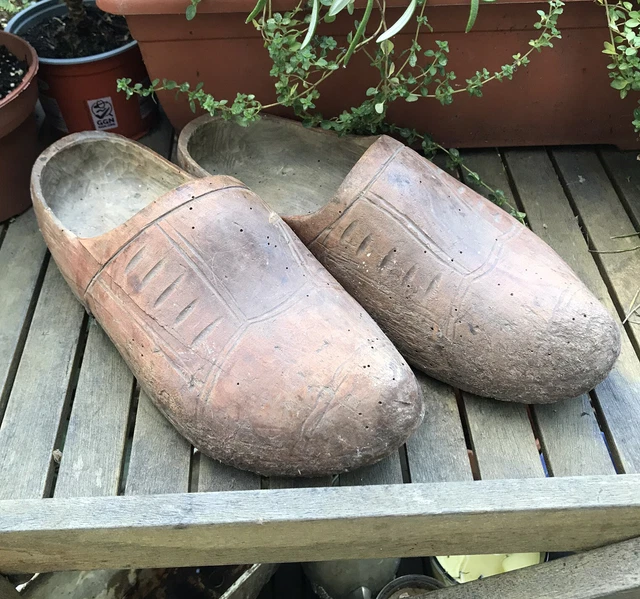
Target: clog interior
{"x":96,"y":185}
{"x":294,"y":169}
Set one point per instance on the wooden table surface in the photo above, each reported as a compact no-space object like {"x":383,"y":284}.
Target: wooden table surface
{"x":76,"y":431}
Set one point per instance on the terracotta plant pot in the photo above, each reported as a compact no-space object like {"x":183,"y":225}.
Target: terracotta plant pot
{"x":80,"y":94}
{"x":563,"y":97}
{"x":18,"y":133}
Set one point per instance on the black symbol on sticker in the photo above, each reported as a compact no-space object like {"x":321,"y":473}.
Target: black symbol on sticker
{"x":102,"y":109}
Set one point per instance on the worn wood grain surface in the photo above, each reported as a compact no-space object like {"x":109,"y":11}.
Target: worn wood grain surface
{"x":386,"y":472}
{"x":603,"y":216}
{"x":41,"y":391}
{"x":437,"y":451}
{"x":558,"y":514}
{"x":624,"y":170}
{"x":160,"y":456}
{"x":214,"y":476}
{"x":502,"y":439}
{"x":93,"y":450}
{"x":553,"y":219}
{"x":607,"y":573}
{"x":21,"y":258}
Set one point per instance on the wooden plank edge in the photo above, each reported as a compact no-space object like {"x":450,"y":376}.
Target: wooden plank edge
{"x":499,"y":516}
{"x":608,"y":572}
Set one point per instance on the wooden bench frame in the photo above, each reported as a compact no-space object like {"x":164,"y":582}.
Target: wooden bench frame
{"x":190,"y":529}
{"x":420,"y":501}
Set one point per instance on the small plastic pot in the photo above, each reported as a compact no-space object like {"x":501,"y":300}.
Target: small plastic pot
{"x":18,"y":132}
{"x":80,"y":94}
{"x":411,"y":585}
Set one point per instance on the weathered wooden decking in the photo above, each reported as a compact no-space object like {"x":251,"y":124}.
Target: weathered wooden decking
{"x":75,"y":428}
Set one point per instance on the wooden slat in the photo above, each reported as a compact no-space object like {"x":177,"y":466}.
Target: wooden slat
{"x":277,"y":482}
{"x":569,"y":432}
{"x":502,"y":439}
{"x":385,"y":472}
{"x":624,"y":170}
{"x":192,"y":529}
{"x":552,"y":218}
{"x":160,"y":456}
{"x":21,"y":258}
{"x":437,"y":451}
{"x":214,"y":476}
{"x":94,"y":445}
{"x":603,"y":216}
{"x":40,"y":392}
{"x":608,"y":573}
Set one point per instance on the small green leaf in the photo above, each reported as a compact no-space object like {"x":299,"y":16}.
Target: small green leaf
{"x":191,"y":12}
{"x":379,"y":107}
{"x":387,"y":47}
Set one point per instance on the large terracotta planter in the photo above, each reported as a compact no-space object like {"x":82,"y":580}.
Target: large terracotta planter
{"x":18,"y":133}
{"x":80,"y":94}
{"x":563,"y":97}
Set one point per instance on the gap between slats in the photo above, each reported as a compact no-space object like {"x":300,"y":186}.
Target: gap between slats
{"x":68,"y":403}
{"x":26,"y":325}
{"x":604,"y":273}
{"x":3,"y":232}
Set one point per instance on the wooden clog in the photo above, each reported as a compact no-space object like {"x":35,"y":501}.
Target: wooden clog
{"x":243,"y":340}
{"x":467,"y":294}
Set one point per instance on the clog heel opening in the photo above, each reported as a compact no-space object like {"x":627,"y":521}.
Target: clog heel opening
{"x":95,"y":186}
{"x":294,"y":169}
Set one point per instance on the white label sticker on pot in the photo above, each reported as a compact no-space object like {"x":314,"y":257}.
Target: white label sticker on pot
{"x":103,"y":113}
{"x":53,"y":112}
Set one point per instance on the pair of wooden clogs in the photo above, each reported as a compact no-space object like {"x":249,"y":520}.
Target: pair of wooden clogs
{"x":261,"y":305}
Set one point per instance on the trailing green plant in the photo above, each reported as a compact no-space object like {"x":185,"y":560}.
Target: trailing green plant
{"x":623,"y":19}
{"x":303,"y":60}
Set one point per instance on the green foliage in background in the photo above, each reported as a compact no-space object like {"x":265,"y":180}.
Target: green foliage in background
{"x":624,"y":70}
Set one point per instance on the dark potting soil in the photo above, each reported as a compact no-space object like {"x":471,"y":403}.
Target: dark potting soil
{"x":12,"y":72}
{"x":62,"y":37}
